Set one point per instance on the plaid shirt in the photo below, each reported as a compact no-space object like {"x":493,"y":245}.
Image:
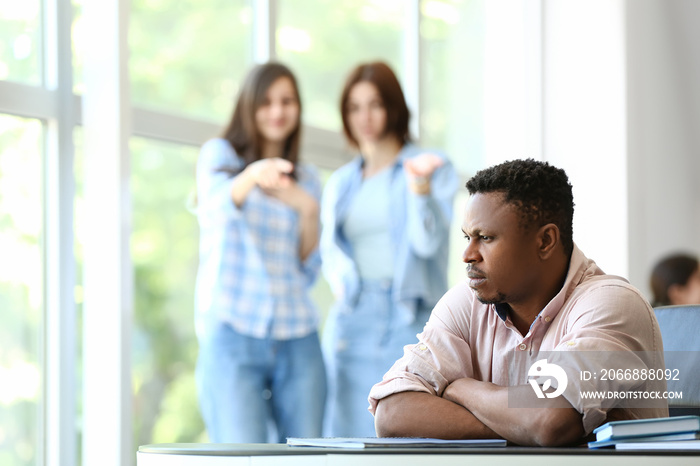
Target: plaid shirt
{"x":250,"y":273}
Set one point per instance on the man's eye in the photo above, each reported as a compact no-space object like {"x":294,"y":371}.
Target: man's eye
{"x":485,"y":238}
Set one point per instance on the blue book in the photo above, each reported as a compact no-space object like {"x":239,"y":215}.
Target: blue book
{"x":682,"y":437}
{"x":647,"y":427}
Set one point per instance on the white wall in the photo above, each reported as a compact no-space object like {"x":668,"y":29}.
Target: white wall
{"x":663,"y":60}
{"x":554,"y":90}
{"x":619,"y":109}
{"x":584,"y":120}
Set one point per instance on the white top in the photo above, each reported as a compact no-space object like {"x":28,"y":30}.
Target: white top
{"x":367,"y":228}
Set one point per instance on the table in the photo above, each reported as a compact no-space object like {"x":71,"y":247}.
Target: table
{"x":238,"y":454}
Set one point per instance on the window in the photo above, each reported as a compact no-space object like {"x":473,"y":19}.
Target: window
{"x":164,"y":251}
{"x":186,"y":62}
{"x":21,"y":290}
{"x":322,"y":40}
{"x":452,"y":39}
{"x":188,"y":57}
{"x":452,"y":87}
{"x":21,"y":42}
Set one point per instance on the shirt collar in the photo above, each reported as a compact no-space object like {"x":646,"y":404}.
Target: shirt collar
{"x":502,"y":309}
{"x":580,"y":267}
{"x":404,"y":154}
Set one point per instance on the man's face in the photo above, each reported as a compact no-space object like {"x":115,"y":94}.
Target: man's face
{"x":501,"y":255}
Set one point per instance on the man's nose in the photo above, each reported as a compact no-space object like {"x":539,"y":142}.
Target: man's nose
{"x":470,"y":253}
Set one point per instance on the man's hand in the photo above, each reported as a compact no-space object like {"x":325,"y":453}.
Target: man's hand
{"x":554,"y":424}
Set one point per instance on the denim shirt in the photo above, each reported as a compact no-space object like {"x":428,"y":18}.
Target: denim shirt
{"x":419,"y":231}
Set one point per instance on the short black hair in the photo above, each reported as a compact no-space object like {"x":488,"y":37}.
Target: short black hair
{"x":539,"y":190}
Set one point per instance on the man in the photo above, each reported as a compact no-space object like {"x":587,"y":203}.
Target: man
{"x":529,"y":290}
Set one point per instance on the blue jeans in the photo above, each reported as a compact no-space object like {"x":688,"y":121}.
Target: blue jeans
{"x":360,"y":345}
{"x":260,"y":390}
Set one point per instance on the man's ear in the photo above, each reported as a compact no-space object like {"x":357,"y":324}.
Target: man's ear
{"x":548,"y":238}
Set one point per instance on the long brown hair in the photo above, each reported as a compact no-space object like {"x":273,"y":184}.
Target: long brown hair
{"x":242,"y":132}
{"x":384,"y":79}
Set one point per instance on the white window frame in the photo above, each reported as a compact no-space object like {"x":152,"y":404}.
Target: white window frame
{"x":108,"y":124}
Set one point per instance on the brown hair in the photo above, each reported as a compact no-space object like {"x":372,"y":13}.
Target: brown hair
{"x":384,"y":79}
{"x":672,"y":270}
{"x":242,"y":132}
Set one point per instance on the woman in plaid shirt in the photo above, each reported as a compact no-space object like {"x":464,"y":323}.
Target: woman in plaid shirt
{"x":260,"y":373}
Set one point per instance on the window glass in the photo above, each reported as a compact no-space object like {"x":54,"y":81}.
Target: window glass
{"x":322,"y":40}
{"x":77,"y":46}
{"x":164,"y":253}
{"x":453,"y":38}
{"x":189,"y":56}
{"x":21,"y":290}
{"x":20,"y":41}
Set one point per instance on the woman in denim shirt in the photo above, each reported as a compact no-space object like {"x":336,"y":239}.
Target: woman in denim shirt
{"x":386,"y":216}
{"x":260,"y":362}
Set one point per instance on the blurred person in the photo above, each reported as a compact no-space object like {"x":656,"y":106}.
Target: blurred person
{"x":260,"y":362}
{"x":386,"y":216}
{"x":675,"y":280}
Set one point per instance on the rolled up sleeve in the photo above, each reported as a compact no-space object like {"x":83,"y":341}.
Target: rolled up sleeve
{"x":441,"y":356}
{"x":615,"y":329}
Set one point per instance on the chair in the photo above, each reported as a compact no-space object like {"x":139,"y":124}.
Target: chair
{"x":680,"y":330}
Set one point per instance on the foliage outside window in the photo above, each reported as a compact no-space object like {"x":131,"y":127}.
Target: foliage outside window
{"x":21,"y":290}
{"x":188,"y":57}
{"x":322,"y":40}
{"x":20,"y":42}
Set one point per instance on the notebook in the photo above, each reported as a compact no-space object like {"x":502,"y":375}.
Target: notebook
{"x":392,"y":442}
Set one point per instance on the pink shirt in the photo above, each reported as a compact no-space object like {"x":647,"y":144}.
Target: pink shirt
{"x":592,"y":312}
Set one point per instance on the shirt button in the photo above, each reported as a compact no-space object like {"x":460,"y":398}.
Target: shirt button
{"x":547,"y":319}
{"x":422,"y":347}
{"x":522,"y":346}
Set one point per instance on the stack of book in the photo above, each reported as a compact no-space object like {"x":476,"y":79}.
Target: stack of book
{"x":667,"y":433}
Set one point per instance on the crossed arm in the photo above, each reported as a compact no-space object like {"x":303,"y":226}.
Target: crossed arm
{"x":469,"y":408}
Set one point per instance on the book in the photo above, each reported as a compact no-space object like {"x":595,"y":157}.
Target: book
{"x":392,"y":442}
{"x":647,"y":427}
{"x":683,"y":436}
{"x":682,"y":445}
